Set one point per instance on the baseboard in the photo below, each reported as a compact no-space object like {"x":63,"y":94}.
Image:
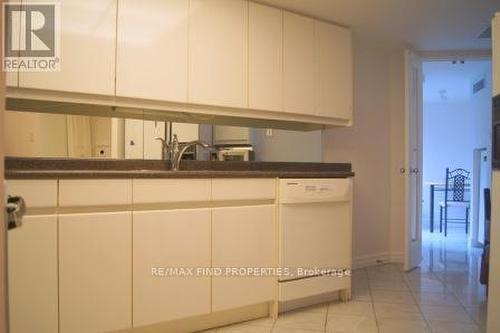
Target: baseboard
{"x":207,"y":321}
{"x":377,"y":259}
{"x":397,"y":257}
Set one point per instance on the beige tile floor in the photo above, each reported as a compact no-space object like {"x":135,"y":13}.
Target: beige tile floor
{"x":443,"y":296}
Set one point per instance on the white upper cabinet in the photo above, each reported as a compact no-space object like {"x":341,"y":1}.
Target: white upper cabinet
{"x":218,"y":42}
{"x":265,"y":57}
{"x":299,"y":64}
{"x":152,"y":49}
{"x":87,"y":58}
{"x":496,"y":54}
{"x":203,"y":57}
{"x":335,"y":72}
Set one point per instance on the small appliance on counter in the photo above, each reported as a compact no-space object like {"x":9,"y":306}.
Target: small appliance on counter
{"x":234,"y":152}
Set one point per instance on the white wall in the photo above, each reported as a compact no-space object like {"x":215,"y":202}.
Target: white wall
{"x":28,"y":134}
{"x":453,"y":125}
{"x":368,"y":146}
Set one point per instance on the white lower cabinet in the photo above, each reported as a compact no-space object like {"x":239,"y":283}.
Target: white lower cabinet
{"x":170,"y":239}
{"x":109,"y":271}
{"x":242,"y":237}
{"x":95,"y":272}
{"x":32,"y":275}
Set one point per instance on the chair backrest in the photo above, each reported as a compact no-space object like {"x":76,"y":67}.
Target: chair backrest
{"x":457,"y":185}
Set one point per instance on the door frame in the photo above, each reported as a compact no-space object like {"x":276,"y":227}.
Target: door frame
{"x":3,"y":231}
{"x":467,"y":55}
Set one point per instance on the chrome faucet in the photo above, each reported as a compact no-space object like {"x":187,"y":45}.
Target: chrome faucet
{"x":174,"y":150}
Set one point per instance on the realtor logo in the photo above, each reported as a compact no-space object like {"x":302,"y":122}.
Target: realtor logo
{"x":31,"y":37}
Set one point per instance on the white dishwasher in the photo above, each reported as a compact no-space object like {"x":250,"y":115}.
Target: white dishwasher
{"x":315,"y":237}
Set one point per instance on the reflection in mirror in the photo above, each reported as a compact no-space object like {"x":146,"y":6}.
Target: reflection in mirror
{"x":29,"y":134}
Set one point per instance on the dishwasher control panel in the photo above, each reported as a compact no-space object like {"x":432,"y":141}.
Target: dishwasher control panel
{"x":315,"y":190}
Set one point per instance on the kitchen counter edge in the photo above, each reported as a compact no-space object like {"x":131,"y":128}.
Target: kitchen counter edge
{"x":52,"y":168}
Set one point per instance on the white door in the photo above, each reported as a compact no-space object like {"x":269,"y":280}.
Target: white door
{"x":413,"y":137}
{"x":3,"y":231}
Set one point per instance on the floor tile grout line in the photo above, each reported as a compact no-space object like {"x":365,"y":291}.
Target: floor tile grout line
{"x":453,"y":292}
{"x":326,"y":318}
{"x":418,"y":305}
{"x":372,"y":300}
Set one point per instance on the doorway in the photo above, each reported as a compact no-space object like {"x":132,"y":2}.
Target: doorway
{"x":456,"y":139}
{"x":456,"y":132}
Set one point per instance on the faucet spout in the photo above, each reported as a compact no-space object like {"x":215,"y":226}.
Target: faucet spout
{"x":183,"y":147}
{"x":174,"y":150}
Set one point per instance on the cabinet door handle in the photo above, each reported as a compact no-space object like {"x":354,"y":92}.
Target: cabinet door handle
{"x":14,"y":209}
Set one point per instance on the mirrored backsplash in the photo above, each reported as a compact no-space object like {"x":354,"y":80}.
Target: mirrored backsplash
{"x":29,"y":134}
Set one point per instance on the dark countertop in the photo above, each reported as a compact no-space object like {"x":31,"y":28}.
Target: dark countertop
{"x":53,"y":168}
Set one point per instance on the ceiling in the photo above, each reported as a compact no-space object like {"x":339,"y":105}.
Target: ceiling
{"x":425,"y":25}
{"x":448,"y":82}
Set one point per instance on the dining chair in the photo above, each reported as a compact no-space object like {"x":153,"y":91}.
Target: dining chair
{"x":456,"y":194}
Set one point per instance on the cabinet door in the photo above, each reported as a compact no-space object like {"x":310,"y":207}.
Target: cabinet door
{"x":134,"y":138}
{"x":298,"y":64}
{"x":242,"y":237}
{"x":186,"y":132}
{"x":152,"y":147}
{"x":175,"y":239}
{"x":87,"y":56}
{"x":335,"y":85}
{"x":230,"y":135}
{"x":218,"y":52}
{"x":152,"y":49}
{"x":11,"y":77}
{"x":265,"y":57}
{"x":32,"y":275}
{"x":95,"y":272}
